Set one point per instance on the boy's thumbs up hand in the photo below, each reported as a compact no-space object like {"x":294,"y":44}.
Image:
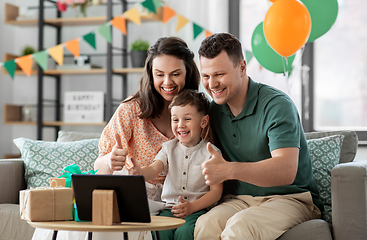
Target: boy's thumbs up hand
{"x":135,"y":169}
{"x":214,"y":169}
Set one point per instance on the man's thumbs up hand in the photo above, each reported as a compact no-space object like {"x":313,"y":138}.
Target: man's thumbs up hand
{"x":214,"y":170}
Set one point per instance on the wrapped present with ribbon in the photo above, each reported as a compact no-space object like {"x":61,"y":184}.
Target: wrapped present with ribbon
{"x":73,"y":169}
{"x":67,"y":172}
{"x":46,"y":204}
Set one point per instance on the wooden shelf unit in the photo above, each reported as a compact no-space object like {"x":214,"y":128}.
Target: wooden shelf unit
{"x":11,"y":16}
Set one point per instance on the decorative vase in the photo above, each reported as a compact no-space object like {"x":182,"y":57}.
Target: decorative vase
{"x":81,"y":10}
{"x":138,"y":58}
{"x":26,"y":113}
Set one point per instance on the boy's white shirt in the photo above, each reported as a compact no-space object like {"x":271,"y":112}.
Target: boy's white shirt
{"x":184,"y":173}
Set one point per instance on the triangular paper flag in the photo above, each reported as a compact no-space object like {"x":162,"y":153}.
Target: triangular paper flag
{"x":90,"y":38}
{"x":133,"y":15}
{"x":25,"y":63}
{"x":120,"y":23}
{"x":57,"y":53}
{"x":207,"y":33}
{"x":197,"y":29}
{"x":105,"y":31}
{"x":10,"y":67}
{"x":181,"y":21}
{"x":157,"y":3}
{"x":168,"y":13}
{"x":73,"y":47}
{"x":149,"y":4}
{"x":248,"y":56}
{"x":41,"y":59}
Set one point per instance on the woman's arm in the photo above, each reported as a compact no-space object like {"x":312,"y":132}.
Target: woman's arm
{"x":101,"y":164}
{"x":187,"y":208}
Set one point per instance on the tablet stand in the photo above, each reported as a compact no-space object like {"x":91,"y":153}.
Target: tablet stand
{"x":105,"y":209}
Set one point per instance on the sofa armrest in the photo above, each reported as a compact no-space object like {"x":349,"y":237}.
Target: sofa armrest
{"x":349,"y":200}
{"x":11,"y":180}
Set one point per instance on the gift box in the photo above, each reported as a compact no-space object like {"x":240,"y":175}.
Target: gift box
{"x":46,"y":204}
{"x":57,"y":182}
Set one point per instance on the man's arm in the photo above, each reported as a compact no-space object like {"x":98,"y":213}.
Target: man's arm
{"x":280,"y":169}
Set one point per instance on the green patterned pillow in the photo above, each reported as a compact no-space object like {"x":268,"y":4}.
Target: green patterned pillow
{"x":43,"y":159}
{"x":325,"y":154}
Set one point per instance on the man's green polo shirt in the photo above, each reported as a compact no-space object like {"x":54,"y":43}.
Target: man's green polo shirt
{"x":268,"y":121}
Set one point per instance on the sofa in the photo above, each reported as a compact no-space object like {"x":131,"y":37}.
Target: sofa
{"x":348,"y":181}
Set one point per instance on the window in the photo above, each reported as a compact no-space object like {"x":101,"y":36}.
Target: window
{"x":340,"y":69}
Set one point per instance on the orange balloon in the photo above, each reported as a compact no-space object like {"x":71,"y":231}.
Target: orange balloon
{"x":287,"y":26}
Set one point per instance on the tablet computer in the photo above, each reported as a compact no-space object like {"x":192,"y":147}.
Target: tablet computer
{"x":130,"y":192}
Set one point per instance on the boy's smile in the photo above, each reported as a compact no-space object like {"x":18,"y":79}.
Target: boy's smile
{"x":187,"y":123}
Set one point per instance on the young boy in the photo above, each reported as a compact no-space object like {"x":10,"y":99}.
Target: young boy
{"x":184,"y":191}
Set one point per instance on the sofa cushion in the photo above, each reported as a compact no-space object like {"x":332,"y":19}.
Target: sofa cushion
{"x":44,"y":159}
{"x":11,"y":226}
{"x":325,"y":154}
{"x":349,"y":146}
{"x":310,"y":230}
{"x":68,"y":136}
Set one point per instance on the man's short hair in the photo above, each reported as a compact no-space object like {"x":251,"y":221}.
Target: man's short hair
{"x":213,"y":45}
{"x":193,"y":98}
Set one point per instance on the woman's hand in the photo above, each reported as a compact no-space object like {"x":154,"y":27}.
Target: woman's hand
{"x":118,"y":155}
{"x":182,"y":210}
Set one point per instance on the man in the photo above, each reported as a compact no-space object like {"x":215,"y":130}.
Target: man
{"x":265,"y":162}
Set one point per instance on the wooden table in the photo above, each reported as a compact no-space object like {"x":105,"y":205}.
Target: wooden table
{"x":157,"y":223}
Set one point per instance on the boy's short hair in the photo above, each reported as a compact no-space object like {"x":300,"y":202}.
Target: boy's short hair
{"x":193,"y":98}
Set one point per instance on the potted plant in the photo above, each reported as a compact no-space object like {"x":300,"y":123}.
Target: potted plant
{"x":139,"y":52}
{"x":28,"y":50}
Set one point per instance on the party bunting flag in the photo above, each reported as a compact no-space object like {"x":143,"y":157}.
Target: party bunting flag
{"x":133,"y":15}
{"x":197,"y":29}
{"x":168,"y":13}
{"x":149,"y":4}
{"x":181,"y":21}
{"x":41,"y":59}
{"x":105,"y":31}
{"x":57,"y":53}
{"x":10,"y":67}
{"x":248,"y":56}
{"x":207,"y":33}
{"x":158,"y":3}
{"x":90,"y":38}
{"x":73,"y":46}
{"x":25,"y":63}
{"x":119,"y":23}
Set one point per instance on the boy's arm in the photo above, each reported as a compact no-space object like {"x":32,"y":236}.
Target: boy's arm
{"x":186,"y":208}
{"x":149,"y":172}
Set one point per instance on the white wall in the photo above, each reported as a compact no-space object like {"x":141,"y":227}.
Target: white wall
{"x":211,"y":14}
